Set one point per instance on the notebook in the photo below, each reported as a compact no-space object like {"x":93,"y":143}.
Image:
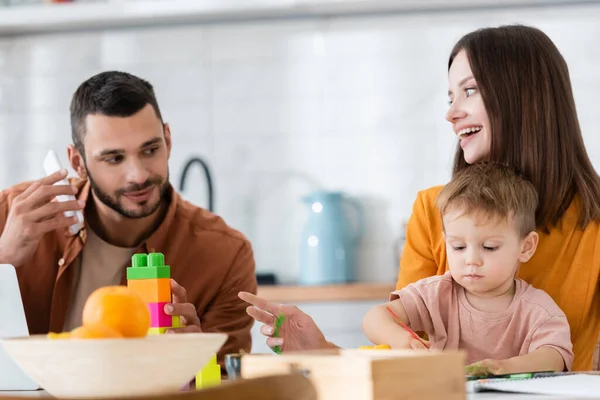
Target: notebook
{"x":572,"y":385}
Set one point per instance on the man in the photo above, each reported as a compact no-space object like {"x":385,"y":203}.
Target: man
{"x":120,"y":151}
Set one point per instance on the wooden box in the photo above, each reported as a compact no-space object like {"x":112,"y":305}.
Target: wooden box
{"x":369,"y":374}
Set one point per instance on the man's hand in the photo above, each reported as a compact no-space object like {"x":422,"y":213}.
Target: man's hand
{"x":32,"y":214}
{"x":189,"y":317}
{"x":298,"y":331}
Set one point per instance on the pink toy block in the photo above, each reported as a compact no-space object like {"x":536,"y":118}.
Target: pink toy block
{"x":158,"y":317}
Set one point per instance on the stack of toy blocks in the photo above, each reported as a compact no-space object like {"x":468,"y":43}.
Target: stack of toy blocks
{"x":149,"y":277}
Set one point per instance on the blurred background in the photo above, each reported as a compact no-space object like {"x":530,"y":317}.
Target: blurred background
{"x":284,"y":103}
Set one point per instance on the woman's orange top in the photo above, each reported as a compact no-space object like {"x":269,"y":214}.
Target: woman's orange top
{"x":566,"y":265}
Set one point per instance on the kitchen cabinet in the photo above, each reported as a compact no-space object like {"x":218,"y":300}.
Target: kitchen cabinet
{"x":37,"y":18}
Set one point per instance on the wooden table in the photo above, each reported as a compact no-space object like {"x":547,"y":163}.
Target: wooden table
{"x":470,"y":396}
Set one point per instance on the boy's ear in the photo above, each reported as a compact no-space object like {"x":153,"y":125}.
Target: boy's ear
{"x":529,"y":246}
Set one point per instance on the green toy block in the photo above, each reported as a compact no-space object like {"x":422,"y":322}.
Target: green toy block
{"x":148,"y":266}
{"x":278,"y":322}
{"x":210,"y":375}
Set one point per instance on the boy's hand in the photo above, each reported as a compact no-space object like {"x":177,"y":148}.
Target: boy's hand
{"x":487,"y":367}
{"x":408,"y":342}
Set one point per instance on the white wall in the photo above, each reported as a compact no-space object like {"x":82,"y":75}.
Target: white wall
{"x":278,"y":107}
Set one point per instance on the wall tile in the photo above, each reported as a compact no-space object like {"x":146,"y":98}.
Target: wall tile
{"x":290,"y":39}
{"x":56,"y":54}
{"x":281,"y":108}
{"x":163,"y":45}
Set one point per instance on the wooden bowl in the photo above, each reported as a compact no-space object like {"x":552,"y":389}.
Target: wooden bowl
{"x":114,"y":367}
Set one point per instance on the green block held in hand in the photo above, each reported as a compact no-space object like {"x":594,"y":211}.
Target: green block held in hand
{"x":278,"y":323}
{"x":148,"y":266}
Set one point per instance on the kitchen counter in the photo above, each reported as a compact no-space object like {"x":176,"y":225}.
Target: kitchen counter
{"x":326,"y":293}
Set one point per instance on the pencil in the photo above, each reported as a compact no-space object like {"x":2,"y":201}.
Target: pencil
{"x":406,"y":328}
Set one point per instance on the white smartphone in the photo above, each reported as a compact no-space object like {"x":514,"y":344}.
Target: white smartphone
{"x":51,"y":165}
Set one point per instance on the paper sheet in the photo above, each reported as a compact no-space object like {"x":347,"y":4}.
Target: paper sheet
{"x":579,"y":385}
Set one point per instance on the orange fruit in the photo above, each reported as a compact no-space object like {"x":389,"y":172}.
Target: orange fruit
{"x":94,"y":332}
{"x":118,"y":308}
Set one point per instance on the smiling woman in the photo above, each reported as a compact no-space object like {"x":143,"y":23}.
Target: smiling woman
{"x":512,"y":83}
{"x":511,"y":102}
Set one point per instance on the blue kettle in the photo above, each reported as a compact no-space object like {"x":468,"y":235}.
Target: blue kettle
{"x":329,"y":239}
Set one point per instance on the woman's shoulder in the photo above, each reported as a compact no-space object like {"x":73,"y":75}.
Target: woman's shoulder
{"x":431,"y":193}
{"x":567,"y":240}
{"x":426,"y":199}
{"x":569,"y":222}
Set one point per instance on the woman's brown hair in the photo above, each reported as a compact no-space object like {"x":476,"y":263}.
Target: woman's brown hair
{"x":525,"y":86}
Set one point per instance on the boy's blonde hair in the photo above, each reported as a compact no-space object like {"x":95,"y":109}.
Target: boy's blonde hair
{"x":494,"y":189}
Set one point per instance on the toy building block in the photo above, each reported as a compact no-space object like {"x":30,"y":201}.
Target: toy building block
{"x":376,"y":347}
{"x":177,"y":322}
{"x":157,"y":331}
{"x":158,"y":317}
{"x":210,"y":375}
{"x":278,"y":322}
{"x":161,"y":330}
{"x":152,"y":290}
{"x":149,"y":277}
{"x":150,"y":266}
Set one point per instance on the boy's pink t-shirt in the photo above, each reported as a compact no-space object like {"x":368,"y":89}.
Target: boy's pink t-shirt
{"x":438,"y":306}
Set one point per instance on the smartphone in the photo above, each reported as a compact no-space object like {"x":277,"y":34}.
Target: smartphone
{"x":51,"y":165}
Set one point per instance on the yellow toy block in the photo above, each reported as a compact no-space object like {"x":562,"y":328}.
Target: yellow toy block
{"x":210,"y":375}
{"x":176,"y":322}
{"x":157,"y":331}
{"x":162,"y":330}
{"x":376,"y":347}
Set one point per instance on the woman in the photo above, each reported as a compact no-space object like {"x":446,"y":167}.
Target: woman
{"x":510,"y":102}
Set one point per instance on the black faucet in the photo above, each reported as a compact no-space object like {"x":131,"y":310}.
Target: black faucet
{"x":209,"y":183}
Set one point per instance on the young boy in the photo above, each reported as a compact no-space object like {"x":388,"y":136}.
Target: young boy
{"x":504,"y":324}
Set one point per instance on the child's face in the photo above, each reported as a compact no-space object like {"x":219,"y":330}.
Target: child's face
{"x":485,"y":252}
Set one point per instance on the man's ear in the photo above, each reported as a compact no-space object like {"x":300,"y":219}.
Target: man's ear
{"x":529,"y":246}
{"x":167,"y":130}
{"x":76,"y":161}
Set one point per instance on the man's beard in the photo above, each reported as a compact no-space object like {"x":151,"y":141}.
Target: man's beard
{"x":146,"y":210}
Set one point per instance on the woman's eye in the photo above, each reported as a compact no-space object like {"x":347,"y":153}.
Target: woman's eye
{"x":470,"y":91}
